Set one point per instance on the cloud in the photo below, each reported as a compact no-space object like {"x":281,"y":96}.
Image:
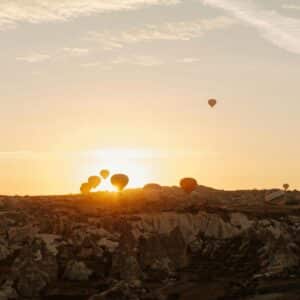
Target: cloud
{"x":189,"y":60}
{"x":38,"y":57}
{"x":34,"y":58}
{"x":113,"y":154}
{"x":144,"y":61}
{"x":13,"y":12}
{"x":104,"y":66}
{"x":172,"y":31}
{"x":291,"y":6}
{"x":92,"y":64}
{"x":138,"y":60}
{"x":76,"y":51}
{"x":280,"y":30}
{"x":145,"y":153}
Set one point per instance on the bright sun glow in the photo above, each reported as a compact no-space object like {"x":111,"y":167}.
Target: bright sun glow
{"x":131,"y":162}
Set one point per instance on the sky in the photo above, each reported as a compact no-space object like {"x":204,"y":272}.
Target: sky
{"x":124,"y":85}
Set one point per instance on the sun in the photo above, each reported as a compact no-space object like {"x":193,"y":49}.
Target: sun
{"x":136,"y":171}
{"x":132,"y":162}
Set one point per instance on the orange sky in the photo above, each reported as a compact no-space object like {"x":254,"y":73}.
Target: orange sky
{"x":124,"y":85}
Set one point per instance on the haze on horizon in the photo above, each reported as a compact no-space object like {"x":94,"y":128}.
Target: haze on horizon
{"x":124,"y":84}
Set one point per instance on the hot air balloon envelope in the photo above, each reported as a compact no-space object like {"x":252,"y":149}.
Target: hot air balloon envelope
{"x":85,"y":188}
{"x":94,"y":181}
{"x":286,"y":186}
{"x":104,"y":173}
{"x":212,"y":102}
{"x":188,"y":184}
{"x":119,"y":181}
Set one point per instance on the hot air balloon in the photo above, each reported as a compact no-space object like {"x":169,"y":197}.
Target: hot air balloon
{"x":85,"y":188}
{"x":104,"y":173}
{"x":94,"y":181}
{"x":188,"y":184}
{"x":119,"y":181}
{"x":286,"y":186}
{"x":212,"y":102}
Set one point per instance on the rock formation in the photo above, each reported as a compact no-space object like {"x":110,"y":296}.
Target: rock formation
{"x":211,"y":244}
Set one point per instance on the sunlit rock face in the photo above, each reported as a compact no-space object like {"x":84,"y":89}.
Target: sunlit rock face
{"x":158,"y":244}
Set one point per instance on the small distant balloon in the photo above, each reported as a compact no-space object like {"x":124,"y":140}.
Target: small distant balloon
{"x":212,"y":102}
{"x":94,"y":181}
{"x":119,"y":181}
{"x":188,"y":184}
{"x":85,"y":188}
{"x":104,"y":174}
{"x":286,"y":186}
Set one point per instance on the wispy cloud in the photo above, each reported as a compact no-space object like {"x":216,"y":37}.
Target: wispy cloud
{"x":42,"y":56}
{"x":92,"y":64}
{"x":291,"y":6}
{"x":144,"y":61}
{"x":139,"y":60}
{"x":280,"y":30}
{"x":34,"y":58}
{"x":189,"y":60}
{"x":175,"y":31}
{"x":76,"y":51}
{"x":104,"y":66}
{"x":112,"y":154}
{"x":13,"y":12}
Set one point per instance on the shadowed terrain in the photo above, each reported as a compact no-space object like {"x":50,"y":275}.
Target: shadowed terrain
{"x":153,"y":243}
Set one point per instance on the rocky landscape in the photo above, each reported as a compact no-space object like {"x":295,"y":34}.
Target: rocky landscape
{"x":153,"y":243}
